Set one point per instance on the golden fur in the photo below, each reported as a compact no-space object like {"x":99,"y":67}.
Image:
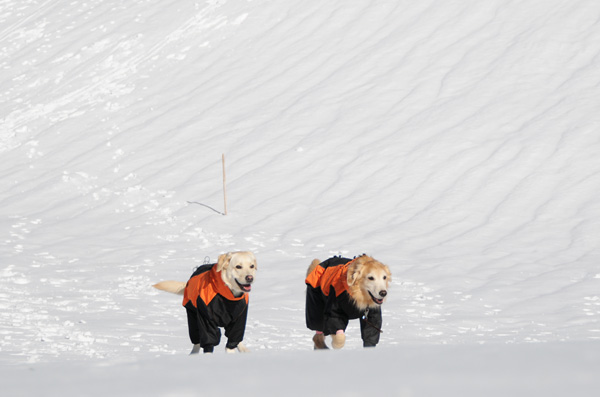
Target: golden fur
{"x":359,"y":284}
{"x":312,"y":266}
{"x":368,"y":281}
{"x":174,"y":287}
{"x":235,"y":268}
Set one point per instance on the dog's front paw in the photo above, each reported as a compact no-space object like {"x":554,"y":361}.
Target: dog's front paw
{"x":319,"y":341}
{"x":338,"y":340}
{"x":240,"y":348}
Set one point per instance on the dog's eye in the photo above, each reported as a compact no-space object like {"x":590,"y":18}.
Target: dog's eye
{"x":251,"y":266}
{"x":238,"y":267}
{"x":385,"y":277}
{"x":371,"y":278}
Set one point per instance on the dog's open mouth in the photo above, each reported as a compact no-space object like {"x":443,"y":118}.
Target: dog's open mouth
{"x":378,"y":301}
{"x":244,"y":287}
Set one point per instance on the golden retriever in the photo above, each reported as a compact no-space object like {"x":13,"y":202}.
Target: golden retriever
{"x":216,"y":295}
{"x":340,"y":289}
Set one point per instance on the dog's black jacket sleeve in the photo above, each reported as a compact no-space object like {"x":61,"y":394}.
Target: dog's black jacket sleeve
{"x":202,"y":330}
{"x":234,"y":315}
{"x":339,"y":310}
{"x":370,"y":329}
{"x":205,"y":321}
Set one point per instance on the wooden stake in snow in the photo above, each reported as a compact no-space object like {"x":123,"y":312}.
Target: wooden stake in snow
{"x":224,"y":185}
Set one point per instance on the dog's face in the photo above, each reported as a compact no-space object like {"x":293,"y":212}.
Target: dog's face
{"x":368,"y":280}
{"x":237,"y":271}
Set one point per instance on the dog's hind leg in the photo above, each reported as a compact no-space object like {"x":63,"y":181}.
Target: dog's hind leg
{"x":338,"y":340}
{"x":195,"y":349}
{"x":319,"y":341}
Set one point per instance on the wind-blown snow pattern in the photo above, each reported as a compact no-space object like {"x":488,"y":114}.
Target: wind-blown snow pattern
{"x":457,"y":142}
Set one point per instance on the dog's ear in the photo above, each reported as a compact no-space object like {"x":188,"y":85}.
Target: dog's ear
{"x":354,"y":271}
{"x":223,"y":261}
{"x":389,"y":273}
{"x":253,"y":259}
{"x":353,"y":276}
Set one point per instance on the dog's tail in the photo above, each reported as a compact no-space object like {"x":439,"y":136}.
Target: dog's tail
{"x":312,"y":266}
{"x":174,"y":287}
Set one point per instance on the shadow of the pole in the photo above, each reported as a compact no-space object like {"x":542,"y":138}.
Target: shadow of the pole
{"x":207,"y":206}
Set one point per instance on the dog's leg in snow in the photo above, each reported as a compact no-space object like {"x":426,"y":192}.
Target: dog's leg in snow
{"x":339,"y":339}
{"x":240,"y":348}
{"x":319,"y":341}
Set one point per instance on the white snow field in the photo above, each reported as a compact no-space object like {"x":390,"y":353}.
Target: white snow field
{"x":456,"y":141}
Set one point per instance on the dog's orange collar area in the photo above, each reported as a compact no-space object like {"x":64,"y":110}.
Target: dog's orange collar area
{"x":206,"y":286}
{"x":334,"y":276}
{"x":221,"y":288}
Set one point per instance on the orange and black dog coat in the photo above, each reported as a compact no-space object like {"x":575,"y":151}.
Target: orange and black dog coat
{"x":329,"y":306}
{"x":210,"y":304}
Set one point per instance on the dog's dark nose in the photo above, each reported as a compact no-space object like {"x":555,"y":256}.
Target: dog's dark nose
{"x":249,"y":279}
{"x":383,"y":293}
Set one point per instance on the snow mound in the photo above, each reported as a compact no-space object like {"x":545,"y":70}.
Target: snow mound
{"x":456,"y":142}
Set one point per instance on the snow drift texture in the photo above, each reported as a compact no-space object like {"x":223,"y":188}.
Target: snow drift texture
{"x":456,"y":142}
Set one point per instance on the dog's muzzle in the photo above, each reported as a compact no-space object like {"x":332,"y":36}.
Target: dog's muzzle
{"x":382,"y":294}
{"x":246,"y":287}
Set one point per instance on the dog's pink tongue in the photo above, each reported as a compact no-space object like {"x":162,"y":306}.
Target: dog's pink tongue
{"x":247,"y":288}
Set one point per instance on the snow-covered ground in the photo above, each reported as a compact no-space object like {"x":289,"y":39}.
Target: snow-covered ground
{"x":457,"y":142}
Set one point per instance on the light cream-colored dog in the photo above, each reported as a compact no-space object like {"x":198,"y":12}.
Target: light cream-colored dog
{"x":217,"y":293}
